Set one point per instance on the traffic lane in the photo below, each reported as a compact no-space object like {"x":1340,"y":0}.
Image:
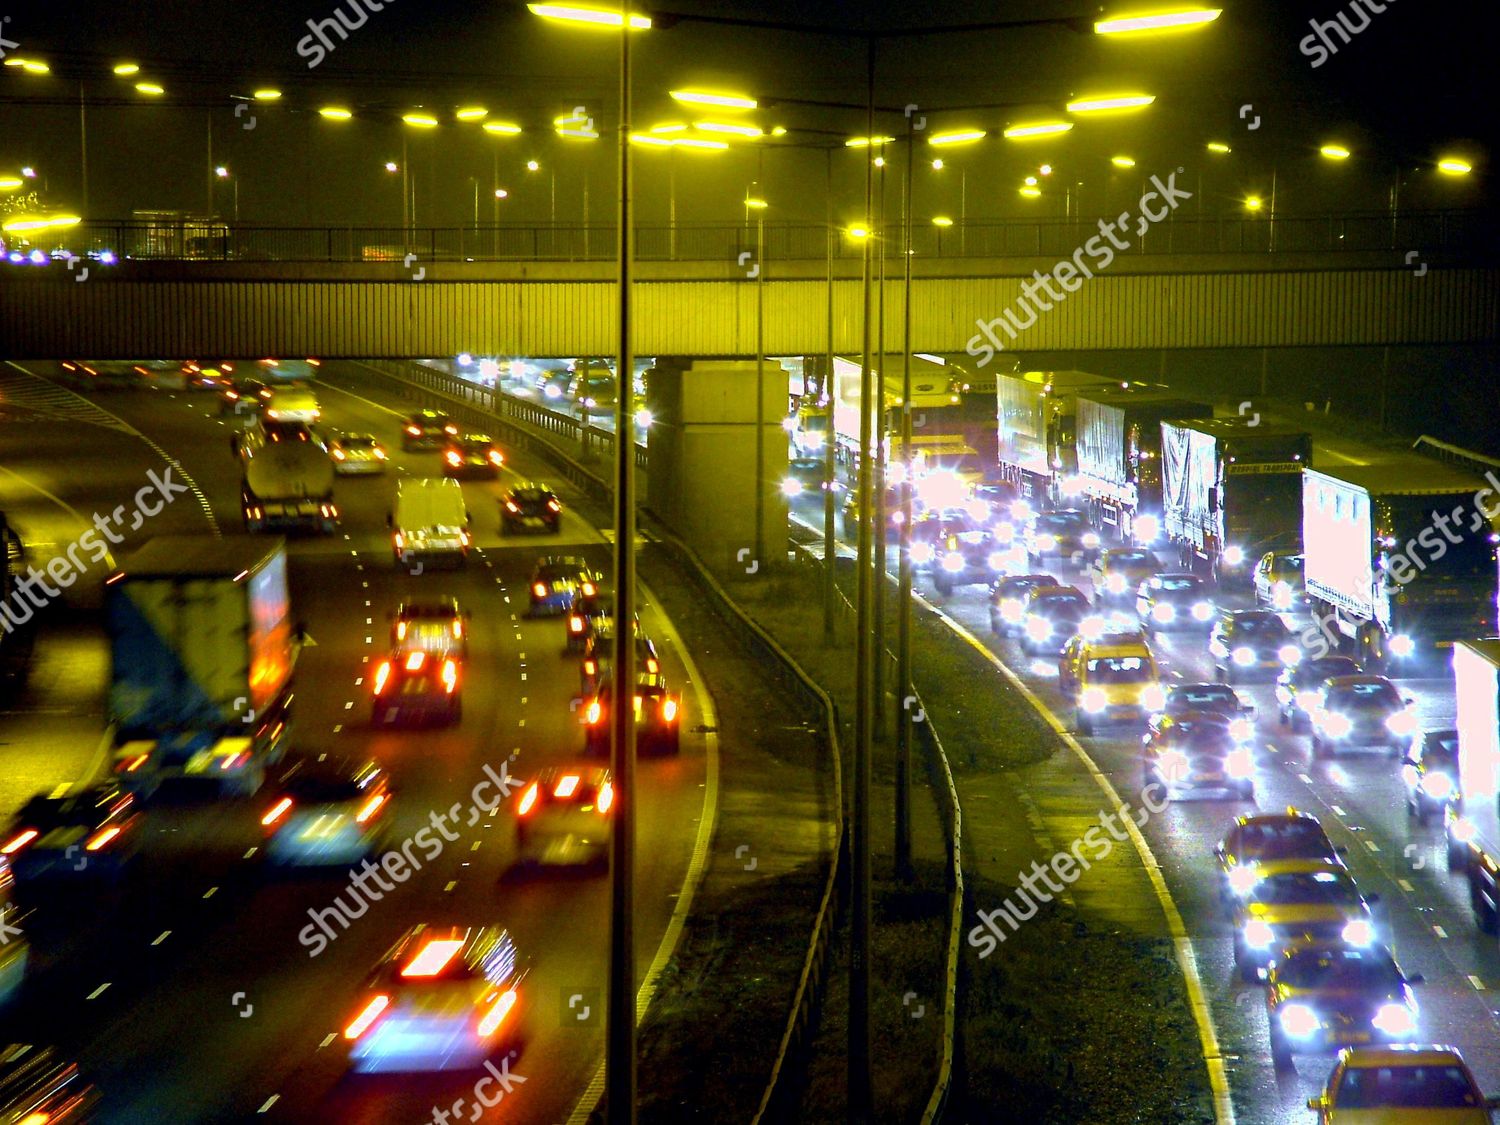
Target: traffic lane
{"x":1184,"y":836}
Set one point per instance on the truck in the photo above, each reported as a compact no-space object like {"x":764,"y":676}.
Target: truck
{"x":17,"y":615}
{"x":1119,"y":456}
{"x":1398,"y":557}
{"x":1471,"y":822}
{"x":1035,"y":430}
{"x":202,"y":649}
{"x":288,"y":486}
{"x":1231,"y":491}
{"x":953,"y":422}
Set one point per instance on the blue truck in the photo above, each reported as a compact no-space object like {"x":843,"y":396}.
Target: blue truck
{"x":202,"y":649}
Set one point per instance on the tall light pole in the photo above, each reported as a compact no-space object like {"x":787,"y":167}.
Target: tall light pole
{"x":759,"y":207}
{"x":877,"y":672}
{"x":830,"y":544}
{"x":223,"y":173}
{"x":903,"y":562}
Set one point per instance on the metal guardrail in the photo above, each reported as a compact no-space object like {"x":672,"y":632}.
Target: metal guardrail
{"x":217,"y":241}
{"x":808,"y":995}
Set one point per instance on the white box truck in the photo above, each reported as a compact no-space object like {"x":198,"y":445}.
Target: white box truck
{"x":430,"y":524}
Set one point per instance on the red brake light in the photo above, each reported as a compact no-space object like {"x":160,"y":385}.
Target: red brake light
{"x":592,"y":715}
{"x":554,"y":505}
{"x":278,"y":810}
{"x":382,"y":674}
{"x":135,"y":763}
{"x":401,"y":630}
{"x":590,"y":667}
{"x":455,"y":458}
{"x":19,"y":842}
{"x":458,"y":628}
{"x":450,"y":428}
{"x":372,"y":806}
{"x":415,"y":660}
{"x":540,"y":590}
{"x":669,"y":709}
{"x":450,"y":675}
{"x":433,"y":957}
{"x":338,"y":455}
{"x":606,"y":797}
{"x":361,"y":1023}
{"x":512,"y":506}
{"x":415,"y":431}
{"x":99,"y":839}
{"x":575,"y":624}
{"x":651,"y":665}
{"x":497,"y":1012}
{"x":588,"y":590}
{"x":400,"y":541}
{"x":566,"y":786}
{"x":528,"y":799}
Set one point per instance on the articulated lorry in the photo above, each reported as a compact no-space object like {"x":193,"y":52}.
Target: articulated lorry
{"x":288,"y":486}
{"x":1399,"y":557}
{"x":1119,"y":456}
{"x":1231,"y":490}
{"x":1035,"y":428}
{"x":202,"y":648}
{"x":1471,"y":824}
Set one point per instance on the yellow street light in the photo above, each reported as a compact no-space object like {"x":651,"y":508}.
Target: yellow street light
{"x":1158,"y":21}
{"x":41,"y":222}
{"x":472,"y":113}
{"x":1219,"y":147}
{"x":1030,"y":191}
{"x":867,"y":142}
{"x":501,"y":128}
{"x":126,"y":69}
{"x":533,"y":166}
{"x":36,"y":66}
{"x":778,"y":130}
{"x":335,"y":113}
{"x":937,"y":165}
{"x":1031,"y":181}
{"x":958,"y":137}
{"x":941,"y":221}
{"x":1335,"y":152}
{"x":595,"y":17}
{"x":707,"y":97}
{"x":267,"y":95}
{"x":858,"y":231}
{"x":758,"y":204}
{"x":1039,"y":129}
{"x":420,"y":120}
{"x":150,"y":89}
{"x":1114,"y":102}
{"x":699,"y":144}
{"x":11,"y":183}
{"x":728,"y":128}
{"x":649,"y":139}
{"x":1453,"y":166}
{"x":1254,"y":203}
{"x":1122,"y":161}
{"x":668,"y":128}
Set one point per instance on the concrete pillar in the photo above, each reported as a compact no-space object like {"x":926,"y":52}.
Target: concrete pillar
{"x":701,"y":472}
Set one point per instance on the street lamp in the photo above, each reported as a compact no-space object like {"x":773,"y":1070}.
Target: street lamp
{"x":223,"y":173}
{"x":759,"y":207}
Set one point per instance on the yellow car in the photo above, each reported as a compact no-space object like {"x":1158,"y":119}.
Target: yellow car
{"x":1117,"y":680}
{"x":1295,"y":900}
{"x":1409,"y":1082}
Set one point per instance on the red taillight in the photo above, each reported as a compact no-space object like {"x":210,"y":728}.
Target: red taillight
{"x":606,"y":797}
{"x":415,"y":660}
{"x":372,"y":1011}
{"x":668,"y":709}
{"x":491,"y":1019}
{"x":401,"y":630}
{"x":591,"y":716}
{"x":455,"y":458}
{"x":19,"y":842}
{"x":133,"y":764}
{"x":382,"y":674}
{"x":100,"y":839}
{"x":433,"y":957}
{"x":589,"y":667}
{"x":379,"y":453}
{"x":588,"y":590}
{"x":339,"y":455}
{"x":450,"y":429}
{"x":415,"y":431}
{"x":512,"y":506}
{"x":528,"y":799}
{"x":450,"y":676}
{"x":496,"y":458}
{"x":458,"y":628}
{"x":400,"y":541}
{"x":539,"y":590}
{"x":278,"y":810}
{"x":372,"y":806}
{"x":554,"y":505}
{"x":651,"y":665}
{"x":575,"y":624}
{"x":566,"y":786}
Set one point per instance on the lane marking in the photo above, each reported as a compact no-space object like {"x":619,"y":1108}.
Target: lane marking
{"x":1476,"y":982}
{"x":98,"y":992}
{"x":1336,"y":810}
{"x":268,"y":1103}
{"x":1405,"y":886}
{"x":1442,"y":933}
{"x":161,"y":937}
{"x":1372,"y":845}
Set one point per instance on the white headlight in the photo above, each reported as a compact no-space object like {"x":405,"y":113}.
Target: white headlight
{"x":1281,"y":596}
{"x":1258,"y":934}
{"x":1359,"y":932}
{"x":1091,"y":539}
{"x":1147,"y":529}
{"x":1172,"y":765}
{"x":1289,"y":654}
{"x":1402,"y":645}
{"x":1239,"y":765}
{"x":1402,"y":723}
{"x":953,"y":562}
{"x":996,"y":560}
{"x":1046,"y":542}
{"x":1307,"y":700}
{"x":1242,"y":880}
{"x":1202,"y":611}
{"x":1241,"y":729}
{"x":1335,"y":724}
{"x":1037,"y":628}
{"x":921,"y":552}
{"x":1462,"y":829}
{"x":1091,"y":627}
{"x":1163,"y":612}
{"x":1233,"y":556}
{"x":791,"y":487}
{"x":789,"y":424}
{"x":1115,"y":583}
{"x":1394,"y":1019}
{"x":644,"y":418}
{"x":1010,"y":610}
{"x":1244,"y":656}
{"x":1019,"y":509}
{"x":1153,"y":697}
{"x":1093,"y":700}
{"x":1437,"y":785}
{"x":1298,"y":1020}
{"x":812,"y":439}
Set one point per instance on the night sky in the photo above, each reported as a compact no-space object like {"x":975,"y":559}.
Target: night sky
{"x":1409,"y":87}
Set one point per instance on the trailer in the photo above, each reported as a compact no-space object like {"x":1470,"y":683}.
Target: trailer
{"x":1036,"y":439}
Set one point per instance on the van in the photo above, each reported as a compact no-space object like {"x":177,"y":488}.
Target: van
{"x":292,"y":404}
{"x":430,"y":524}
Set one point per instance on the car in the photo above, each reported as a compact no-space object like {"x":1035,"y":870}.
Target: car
{"x":243,"y":396}
{"x":291,"y":402}
{"x":1119,"y":571}
{"x":658,"y":714}
{"x":91,"y":834}
{"x":1175,"y":601}
{"x":599,"y":659}
{"x":1278,"y":580}
{"x":591,"y":613}
{"x":1326,"y":995}
{"x":532,"y":506}
{"x":1008,"y":601}
{"x":263,"y":431}
{"x":1431,"y":775}
{"x":1244,"y":642}
{"x":805,"y":477}
{"x":1192,"y":757}
{"x":443,"y":998}
{"x":1294,"y":900}
{"x":563,"y":818}
{"x":1061,"y":534}
{"x":1094,"y":630}
{"x":1268,"y":838}
{"x":414,"y":687}
{"x":426,"y":429}
{"x":39,"y":1087}
{"x":1209,"y":698}
{"x":594,"y":389}
{"x":325,"y":810}
{"x":206,"y":375}
{"x":1402,"y":1082}
{"x":357,"y":455}
{"x":1117,"y":681}
{"x":1297,"y":686}
{"x":435,"y":625}
{"x":557,"y":581}
{"x":967,"y":558}
{"x":553,"y":386}
{"x":472,"y":455}
{"x":927,"y":528}
{"x":1361,"y":711}
{"x":1049,"y":617}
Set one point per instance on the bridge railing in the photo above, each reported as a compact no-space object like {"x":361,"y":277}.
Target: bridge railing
{"x":196,"y":240}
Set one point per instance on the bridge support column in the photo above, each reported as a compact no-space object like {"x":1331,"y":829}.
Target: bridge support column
{"x":701,"y":471}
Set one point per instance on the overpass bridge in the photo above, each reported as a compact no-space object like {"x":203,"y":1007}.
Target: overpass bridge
{"x":1427,"y":278}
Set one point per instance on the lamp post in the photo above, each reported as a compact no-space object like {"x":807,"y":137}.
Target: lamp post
{"x":759,"y":207}
{"x":830,"y":544}
{"x":223,"y":173}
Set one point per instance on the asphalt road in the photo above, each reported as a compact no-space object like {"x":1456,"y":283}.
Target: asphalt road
{"x":185,"y":993}
{"x":1424,"y":912}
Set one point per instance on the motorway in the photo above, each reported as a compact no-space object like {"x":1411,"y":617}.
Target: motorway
{"x":1424,"y":912}
{"x":185,"y":993}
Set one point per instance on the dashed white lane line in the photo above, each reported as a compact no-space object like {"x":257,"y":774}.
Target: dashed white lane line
{"x":98,"y":992}
{"x":1372,"y":845}
{"x":161,"y":937}
{"x":1476,"y":982}
{"x":1336,"y":810}
{"x":1405,"y":886}
{"x":1442,"y":933}
{"x":210,"y":892}
{"x":449,"y":888}
{"x":268,"y":1103}
{"x":1302,"y":777}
